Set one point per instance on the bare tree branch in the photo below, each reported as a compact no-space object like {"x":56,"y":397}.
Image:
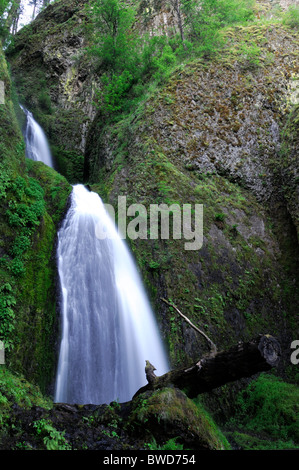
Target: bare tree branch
{"x":212,"y":346}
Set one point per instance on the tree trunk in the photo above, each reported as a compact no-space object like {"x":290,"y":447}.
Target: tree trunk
{"x":34,"y":9}
{"x":12,"y":14}
{"x":216,"y":369}
{"x":177,"y":7}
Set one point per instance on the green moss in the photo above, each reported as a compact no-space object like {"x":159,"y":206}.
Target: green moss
{"x":247,"y":442}
{"x":16,"y":390}
{"x":34,"y":351}
{"x":56,"y":188}
{"x":168,"y":413}
{"x":268,"y":408}
{"x":69,"y":163}
{"x":288,"y":162}
{"x":33,"y":200}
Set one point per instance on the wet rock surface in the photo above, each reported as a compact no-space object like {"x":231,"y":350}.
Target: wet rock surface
{"x":153,"y":418}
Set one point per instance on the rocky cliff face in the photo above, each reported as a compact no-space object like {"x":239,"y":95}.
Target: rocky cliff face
{"x":56,"y":82}
{"x":212,"y":136}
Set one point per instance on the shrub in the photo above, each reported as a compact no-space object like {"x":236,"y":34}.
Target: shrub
{"x":269,"y":405}
{"x":291,"y":17}
{"x":7,"y":316}
{"x":250,"y":54}
{"x":45,"y":101}
{"x":130,"y":61}
{"x":52,"y":438}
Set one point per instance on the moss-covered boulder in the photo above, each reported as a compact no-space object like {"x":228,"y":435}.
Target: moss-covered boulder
{"x":166,"y":419}
{"x":169,"y":414}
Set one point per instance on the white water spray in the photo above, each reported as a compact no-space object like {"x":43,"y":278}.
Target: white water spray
{"x":108,"y":327}
{"x":37,"y":147}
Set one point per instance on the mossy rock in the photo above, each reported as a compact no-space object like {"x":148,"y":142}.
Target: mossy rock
{"x":16,"y":391}
{"x":169,"y":413}
{"x":56,"y":187}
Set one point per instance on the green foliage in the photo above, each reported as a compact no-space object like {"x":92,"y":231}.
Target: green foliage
{"x":248,"y":442}
{"x":26,"y":206}
{"x":52,"y":438}
{"x":69,"y":164}
{"x":115,"y":90}
{"x":45,"y":101}
{"x":3,"y":8}
{"x":204,"y":23}
{"x":250,"y":55}
{"x":171,"y":444}
{"x":154,"y":265}
{"x":5,"y":180}
{"x":220,"y":217}
{"x":7,"y":315}
{"x":291,"y":17}
{"x":130,"y":61}
{"x":14,"y":389}
{"x":269,"y":406}
{"x":3,"y":5}
{"x":117,"y":49}
{"x":113,"y":39}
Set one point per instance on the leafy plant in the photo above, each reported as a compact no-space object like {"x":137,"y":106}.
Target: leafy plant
{"x":45,"y":101}
{"x":204,"y":23}
{"x":171,"y":444}
{"x":7,"y":316}
{"x":52,"y":438}
{"x":115,"y":90}
{"x":130,"y":61}
{"x":250,"y":53}
{"x":291,"y":17}
{"x":220,"y":217}
{"x":269,"y":406}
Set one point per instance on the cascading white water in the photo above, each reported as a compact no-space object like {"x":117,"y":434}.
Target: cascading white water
{"x":108,"y":328}
{"x":37,"y":147}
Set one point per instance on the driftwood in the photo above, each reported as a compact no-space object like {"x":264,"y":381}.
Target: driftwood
{"x":213,"y":370}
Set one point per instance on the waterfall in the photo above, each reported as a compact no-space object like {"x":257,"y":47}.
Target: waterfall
{"x":108,"y":328}
{"x":37,"y":147}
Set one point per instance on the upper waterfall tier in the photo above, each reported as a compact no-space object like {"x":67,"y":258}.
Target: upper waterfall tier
{"x":37,"y":147}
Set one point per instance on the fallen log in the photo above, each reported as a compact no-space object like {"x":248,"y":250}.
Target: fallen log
{"x":213,"y":370}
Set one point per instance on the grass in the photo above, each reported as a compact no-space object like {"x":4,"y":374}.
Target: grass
{"x":267,"y":414}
